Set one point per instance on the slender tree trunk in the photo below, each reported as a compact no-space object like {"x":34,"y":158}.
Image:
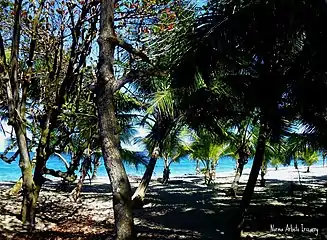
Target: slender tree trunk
{"x":263,"y":174}
{"x":295,"y":164}
{"x":197,"y":169}
{"x":238,"y":174}
{"x":42,"y":156}
{"x":207,"y":174}
{"x":308,"y":169}
{"x":166,"y":173}
{"x":323,"y":161}
{"x":109,"y":129}
{"x":249,"y":190}
{"x":139,"y":194}
{"x":212,"y":173}
{"x":109,"y":132}
{"x":95,"y":167}
{"x":85,"y":168}
{"x":27,"y":211}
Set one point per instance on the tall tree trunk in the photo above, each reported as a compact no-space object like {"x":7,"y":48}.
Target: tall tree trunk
{"x":308,"y":169}
{"x":27,"y":211}
{"x":42,"y":156}
{"x":109,"y":129}
{"x":239,"y":170}
{"x":139,"y":194}
{"x":84,"y":169}
{"x":247,"y":195}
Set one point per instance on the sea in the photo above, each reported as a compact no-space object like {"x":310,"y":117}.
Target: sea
{"x":186,"y":166}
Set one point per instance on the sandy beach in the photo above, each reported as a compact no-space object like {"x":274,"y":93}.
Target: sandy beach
{"x":184,"y":209}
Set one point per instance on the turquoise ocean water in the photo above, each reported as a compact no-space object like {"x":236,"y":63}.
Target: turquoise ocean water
{"x":11,"y":172}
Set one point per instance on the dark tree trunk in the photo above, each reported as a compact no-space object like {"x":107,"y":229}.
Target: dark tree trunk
{"x":109,"y":129}
{"x":247,"y":195}
{"x":139,"y":194}
{"x":323,"y":161}
{"x":308,"y":169}
{"x":295,"y":164}
{"x":166,"y":173}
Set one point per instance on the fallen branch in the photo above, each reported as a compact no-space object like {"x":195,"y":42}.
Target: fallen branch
{"x":60,"y":174}
{"x":62,"y":159}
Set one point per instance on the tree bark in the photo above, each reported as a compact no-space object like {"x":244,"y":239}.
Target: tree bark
{"x":109,"y":129}
{"x":238,"y":174}
{"x":16,"y":188}
{"x":197,"y":168}
{"x":84,"y":169}
{"x":249,"y":190}
{"x":263,"y":173}
{"x":323,"y":160}
{"x":165,"y":175}
{"x":139,"y":194}
{"x":240,"y":163}
{"x":308,"y":169}
{"x":27,"y":211}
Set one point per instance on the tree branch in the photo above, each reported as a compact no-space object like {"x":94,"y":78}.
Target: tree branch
{"x":11,"y":159}
{"x":60,"y":174}
{"x":134,"y":75}
{"x":129,"y":48}
{"x":3,"y":56}
{"x":62,"y":159}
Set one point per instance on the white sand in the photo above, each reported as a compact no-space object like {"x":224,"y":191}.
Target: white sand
{"x":184,"y":208}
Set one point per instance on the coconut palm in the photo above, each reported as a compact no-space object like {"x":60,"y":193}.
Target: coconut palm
{"x":208,"y":150}
{"x":175,"y":148}
{"x":308,"y":157}
{"x":242,"y":141}
{"x":243,"y":67}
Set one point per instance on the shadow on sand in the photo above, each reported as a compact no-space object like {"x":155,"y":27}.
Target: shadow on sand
{"x":184,"y":209}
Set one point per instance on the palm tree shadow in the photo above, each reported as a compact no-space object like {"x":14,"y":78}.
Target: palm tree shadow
{"x":199,"y":212}
{"x":187,"y":209}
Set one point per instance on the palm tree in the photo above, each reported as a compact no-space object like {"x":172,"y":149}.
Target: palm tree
{"x":175,"y":148}
{"x":241,"y":62}
{"x":242,"y":142}
{"x":206,"y":149}
{"x":308,"y":157}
